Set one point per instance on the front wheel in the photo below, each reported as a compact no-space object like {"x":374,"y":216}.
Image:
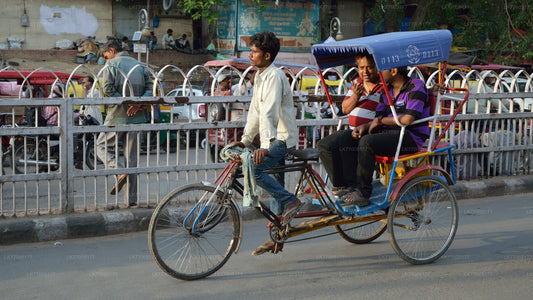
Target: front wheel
{"x":193,"y":232}
{"x":422,"y":220}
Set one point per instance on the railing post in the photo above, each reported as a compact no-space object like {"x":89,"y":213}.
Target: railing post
{"x":66,"y":156}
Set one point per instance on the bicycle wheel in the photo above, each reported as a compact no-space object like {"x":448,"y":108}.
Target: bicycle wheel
{"x":363,"y":232}
{"x":422,"y":221}
{"x":189,"y":241}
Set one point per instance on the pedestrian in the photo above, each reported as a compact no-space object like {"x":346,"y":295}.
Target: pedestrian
{"x":152,"y":41}
{"x":272,"y":115}
{"x":51,"y":113}
{"x":94,"y":111}
{"x":120,"y":62}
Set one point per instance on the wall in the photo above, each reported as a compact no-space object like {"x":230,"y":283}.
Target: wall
{"x":126,"y":20}
{"x":52,"y":20}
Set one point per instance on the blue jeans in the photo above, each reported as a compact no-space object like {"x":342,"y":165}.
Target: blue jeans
{"x":275,"y":187}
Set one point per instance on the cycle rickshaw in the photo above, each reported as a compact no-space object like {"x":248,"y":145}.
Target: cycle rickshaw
{"x":196,"y":227}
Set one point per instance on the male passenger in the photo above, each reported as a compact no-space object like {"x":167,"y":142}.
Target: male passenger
{"x":272,"y":115}
{"x":410,"y":99}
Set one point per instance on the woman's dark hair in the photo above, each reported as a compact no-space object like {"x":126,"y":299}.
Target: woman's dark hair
{"x":267,"y":42}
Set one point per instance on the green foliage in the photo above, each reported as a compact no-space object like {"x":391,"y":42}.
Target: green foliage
{"x":208,"y":9}
{"x":487,"y":25}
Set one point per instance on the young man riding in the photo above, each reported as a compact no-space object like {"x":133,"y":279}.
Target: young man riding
{"x":272,"y":116}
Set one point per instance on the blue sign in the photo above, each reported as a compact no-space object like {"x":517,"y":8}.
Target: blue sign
{"x":295,"y":23}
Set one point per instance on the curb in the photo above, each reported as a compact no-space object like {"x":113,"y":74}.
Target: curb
{"x":49,"y":228}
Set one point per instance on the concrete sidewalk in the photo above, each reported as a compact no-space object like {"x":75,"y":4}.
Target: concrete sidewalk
{"x":53,"y":228}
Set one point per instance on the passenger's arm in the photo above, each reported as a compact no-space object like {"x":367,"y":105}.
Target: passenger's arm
{"x":360,"y":130}
{"x":379,"y":121}
{"x":404,"y":120}
{"x":349,"y":103}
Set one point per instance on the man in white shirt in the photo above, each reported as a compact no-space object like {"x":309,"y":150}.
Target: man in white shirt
{"x":272,"y":115}
{"x":168,"y":40}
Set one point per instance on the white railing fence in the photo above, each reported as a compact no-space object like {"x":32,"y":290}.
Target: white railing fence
{"x":52,"y":169}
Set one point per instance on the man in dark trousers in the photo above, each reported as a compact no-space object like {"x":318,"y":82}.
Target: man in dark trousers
{"x":272,"y":115}
{"x":120,"y":62}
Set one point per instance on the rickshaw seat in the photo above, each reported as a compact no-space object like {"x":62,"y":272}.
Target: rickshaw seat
{"x":424,"y":150}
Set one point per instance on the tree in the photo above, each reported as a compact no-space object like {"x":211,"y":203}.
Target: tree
{"x":205,"y":8}
{"x":202,"y":8}
{"x":499,"y":27}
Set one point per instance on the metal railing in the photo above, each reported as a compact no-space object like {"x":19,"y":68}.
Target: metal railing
{"x":494,"y":140}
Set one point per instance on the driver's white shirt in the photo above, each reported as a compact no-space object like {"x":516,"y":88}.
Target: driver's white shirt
{"x":272,"y":113}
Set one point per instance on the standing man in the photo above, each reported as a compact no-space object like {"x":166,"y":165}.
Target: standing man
{"x":120,"y":61}
{"x":271,"y":115}
{"x":360,"y":103}
{"x":152,"y":41}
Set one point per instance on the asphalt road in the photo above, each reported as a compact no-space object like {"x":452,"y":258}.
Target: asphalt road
{"x":491,"y":258}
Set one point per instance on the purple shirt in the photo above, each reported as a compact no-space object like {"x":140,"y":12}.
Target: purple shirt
{"x":412,"y":100}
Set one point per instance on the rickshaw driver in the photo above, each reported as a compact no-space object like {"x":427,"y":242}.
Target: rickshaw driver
{"x":271,"y":114}
{"x":410,"y":98}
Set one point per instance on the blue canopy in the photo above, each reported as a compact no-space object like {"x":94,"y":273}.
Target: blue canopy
{"x":390,"y":50}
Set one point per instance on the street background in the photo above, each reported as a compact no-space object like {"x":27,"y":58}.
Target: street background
{"x":490,"y":258}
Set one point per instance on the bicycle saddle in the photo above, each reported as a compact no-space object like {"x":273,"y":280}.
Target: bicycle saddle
{"x":304,"y":154}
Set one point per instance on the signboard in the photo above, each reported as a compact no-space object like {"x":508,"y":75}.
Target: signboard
{"x":226,"y":28}
{"x":137,"y":36}
{"x":139,"y":48}
{"x":293,"y":21}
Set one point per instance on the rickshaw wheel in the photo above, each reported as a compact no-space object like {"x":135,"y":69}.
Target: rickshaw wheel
{"x":422,"y":220}
{"x":363,"y":232}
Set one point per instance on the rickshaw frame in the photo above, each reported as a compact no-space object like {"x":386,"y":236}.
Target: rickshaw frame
{"x":417,"y":201}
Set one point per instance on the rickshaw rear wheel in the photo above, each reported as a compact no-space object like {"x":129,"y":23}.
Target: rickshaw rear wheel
{"x":422,"y":220}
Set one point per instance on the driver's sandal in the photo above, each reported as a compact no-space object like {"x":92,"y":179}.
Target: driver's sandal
{"x":268,"y":246}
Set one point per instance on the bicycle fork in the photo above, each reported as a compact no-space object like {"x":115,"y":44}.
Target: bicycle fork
{"x":202,"y":204}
